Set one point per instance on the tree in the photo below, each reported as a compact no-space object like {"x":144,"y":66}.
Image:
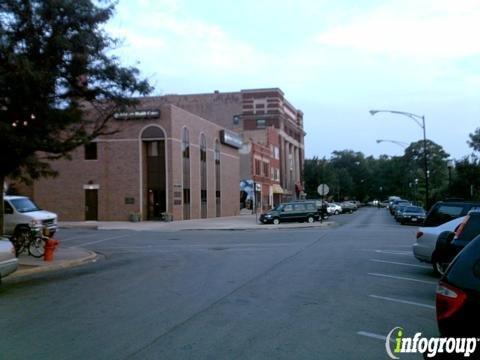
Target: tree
{"x":59,"y":86}
{"x":475,"y":140}
{"x":437,"y":165}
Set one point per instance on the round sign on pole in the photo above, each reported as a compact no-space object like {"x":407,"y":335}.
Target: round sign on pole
{"x":323,"y":189}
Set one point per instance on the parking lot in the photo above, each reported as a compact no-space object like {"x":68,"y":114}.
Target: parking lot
{"x":325,"y":293}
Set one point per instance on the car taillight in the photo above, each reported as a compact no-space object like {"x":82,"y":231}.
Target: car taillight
{"x":460,"y":229}
{"x":419,"y":234}
{"x":449,"y":300}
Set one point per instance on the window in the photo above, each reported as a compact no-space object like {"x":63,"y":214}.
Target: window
{"x":185,"y":144}
{"x":236,"y":120}
{"x":288,"y":208}
{"x":261,"y":123}
{"x":91,"y":151}
{"x":217,"y":179}
{"x":203,"y":176}
{"x":266,"y":169}
{"x":7,"y":208}
{"x":186,"y":173}
{"x":257,"y":167}
{"x":299,"y":207}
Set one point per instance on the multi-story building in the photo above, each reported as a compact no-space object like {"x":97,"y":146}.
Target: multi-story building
{"x":252,"y":113}
{"x":163,"y":163}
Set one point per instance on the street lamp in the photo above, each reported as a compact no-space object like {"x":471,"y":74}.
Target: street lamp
{"x":399,"y":143}
{"x":420,"y":120}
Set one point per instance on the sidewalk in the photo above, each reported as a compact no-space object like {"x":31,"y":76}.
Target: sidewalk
{"x":64,"y":257}
{"x":232,"y":223}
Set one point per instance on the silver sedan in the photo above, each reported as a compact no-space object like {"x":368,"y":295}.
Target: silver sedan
{"x":8,"y":261}
{"x":424,"y":247}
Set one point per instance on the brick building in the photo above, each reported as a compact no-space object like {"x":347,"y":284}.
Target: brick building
{"x":252,"y":113}
{"x":164,"y":162}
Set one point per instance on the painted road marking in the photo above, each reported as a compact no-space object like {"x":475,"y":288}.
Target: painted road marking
{"x":374,"y":336}
{"x":77,"y":237}
{"x":102,"y":240}
{"x":402,"y":301}
{"x":399,"y":263}
{"x":389,"y":252}
{"x":403,"y":278}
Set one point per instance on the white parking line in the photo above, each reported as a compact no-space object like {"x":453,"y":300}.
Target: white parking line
{"x":374,"y":336}
{"x":389,"y":252}
{"x":77,"y":237}
{"x":399,"y":263}
{"x":403,"y":278}
{"x":102,"y":240}
{"x":403,"y":301}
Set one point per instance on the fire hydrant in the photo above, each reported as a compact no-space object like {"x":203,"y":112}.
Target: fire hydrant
{"x":50,"y":246}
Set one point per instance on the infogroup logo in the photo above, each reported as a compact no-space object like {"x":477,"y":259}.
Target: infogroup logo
{"x":397,"y":343}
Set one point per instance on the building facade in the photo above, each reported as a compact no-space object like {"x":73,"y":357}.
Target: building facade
{"x":163,"y":163}
{"x":252,"y":113}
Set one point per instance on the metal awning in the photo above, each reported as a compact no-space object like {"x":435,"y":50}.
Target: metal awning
{"x":277,"y":189}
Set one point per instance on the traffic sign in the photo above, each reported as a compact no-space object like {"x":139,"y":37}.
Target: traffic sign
{"x":323,"y":189}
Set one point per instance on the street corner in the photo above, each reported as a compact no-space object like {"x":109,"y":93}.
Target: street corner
{"x":64,"y":258}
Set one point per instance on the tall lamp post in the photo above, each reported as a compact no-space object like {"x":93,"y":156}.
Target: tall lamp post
{"x":399,"y":143}
{"x":420,"y":120}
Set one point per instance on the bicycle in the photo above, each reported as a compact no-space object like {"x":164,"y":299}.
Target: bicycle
{"x":31,"y":239}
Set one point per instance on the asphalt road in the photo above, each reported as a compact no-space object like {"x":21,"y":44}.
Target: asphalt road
{"x":304,"y":294}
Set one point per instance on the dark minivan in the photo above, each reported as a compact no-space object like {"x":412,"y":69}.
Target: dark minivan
{"x":292,"y":211}
{"x":444,"y":211}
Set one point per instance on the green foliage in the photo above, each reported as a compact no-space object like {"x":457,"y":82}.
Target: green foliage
{"x":59,"y":86}
{"x":350,"y":175}
{"x":475,"y":140}
{"x":465,"y":182}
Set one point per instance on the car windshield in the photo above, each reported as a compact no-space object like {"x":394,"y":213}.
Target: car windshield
{"x":24,"y":205}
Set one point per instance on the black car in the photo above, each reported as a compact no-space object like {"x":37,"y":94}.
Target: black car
{"x":449,"y":244}
{"x":458,"y":295}
{"x":411,"y":215}
{"x":444,"y":211}
{"x":292,"y":211}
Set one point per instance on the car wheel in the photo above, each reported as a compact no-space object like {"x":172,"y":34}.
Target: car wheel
{"x":310,"y":219}
{"x":337,"y":212}
{"x":276,"y":221}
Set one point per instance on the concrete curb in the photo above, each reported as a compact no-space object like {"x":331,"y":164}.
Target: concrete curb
{"x":61,"y":265}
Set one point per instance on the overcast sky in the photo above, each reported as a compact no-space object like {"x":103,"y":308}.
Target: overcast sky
{"x":334,"y":59}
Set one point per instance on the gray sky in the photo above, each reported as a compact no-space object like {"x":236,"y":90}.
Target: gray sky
{"x":334,"y":59}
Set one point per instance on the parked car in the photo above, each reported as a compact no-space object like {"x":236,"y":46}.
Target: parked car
{"x":444,"y":211}
{"x":426,"y":241}
{"x":337,"y":208}
{"x":399,"y":208}
{"x":22,"y":215}
{"x":8,"y":260}
{"x":292,"y":211}
{"x":449,"y":244}
{"x":348,"y":207}
{"x":395,"y":203}
{"x":458,"y":295}
{"x":411,"y":215}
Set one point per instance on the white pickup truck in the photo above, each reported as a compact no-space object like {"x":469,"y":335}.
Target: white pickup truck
{"x":22,"y":214}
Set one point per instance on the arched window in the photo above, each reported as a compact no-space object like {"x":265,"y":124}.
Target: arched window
{"x":153,"y":144}
{"x":186,"y":173}
{"x":203,"y":176}
{"x":218,"y":199}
